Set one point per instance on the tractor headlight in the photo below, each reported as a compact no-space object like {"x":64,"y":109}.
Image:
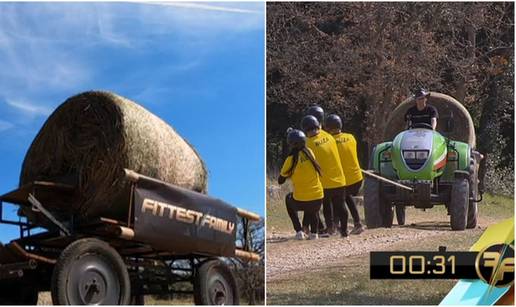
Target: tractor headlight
{"x":408,"y":155}
{"x":422,"y":155}
{"x":386,"y":156}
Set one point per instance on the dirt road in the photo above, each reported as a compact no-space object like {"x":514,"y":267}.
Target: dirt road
{"x":286,"y":255}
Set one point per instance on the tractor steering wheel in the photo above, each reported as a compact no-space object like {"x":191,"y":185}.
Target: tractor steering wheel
{"x":422,"y":125}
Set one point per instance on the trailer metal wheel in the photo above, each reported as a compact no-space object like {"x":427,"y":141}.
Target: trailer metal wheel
{"x":90,"y":272}
{"x":215,"y":285}
{"x":459,"y":203}
{"x":15,"y":293}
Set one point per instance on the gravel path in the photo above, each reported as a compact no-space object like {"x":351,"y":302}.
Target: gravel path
{"x":286,"y":255}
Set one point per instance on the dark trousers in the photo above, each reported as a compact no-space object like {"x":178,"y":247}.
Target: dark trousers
{"x":334,"y":204}
{"x":352,"y":190}
{"x":310,"y":209}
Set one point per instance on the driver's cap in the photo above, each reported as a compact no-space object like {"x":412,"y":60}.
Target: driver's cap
{"x":420,"y":93}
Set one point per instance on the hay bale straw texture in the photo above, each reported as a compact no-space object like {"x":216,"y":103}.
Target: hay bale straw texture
{"x":93,"y":136}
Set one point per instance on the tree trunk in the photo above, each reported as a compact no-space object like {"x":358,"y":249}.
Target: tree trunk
{"x":489,"y":126}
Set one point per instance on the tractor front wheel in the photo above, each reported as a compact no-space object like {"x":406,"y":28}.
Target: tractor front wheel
{"x":459,"y":203}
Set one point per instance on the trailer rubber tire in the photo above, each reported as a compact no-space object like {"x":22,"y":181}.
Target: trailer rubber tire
{"x":400,"y":214}
{"x":459,"y":204}
{"x":215,"y":284}
{"x":88,"y":264}
{"x":16,"y":293}
{"x":372,"y":203}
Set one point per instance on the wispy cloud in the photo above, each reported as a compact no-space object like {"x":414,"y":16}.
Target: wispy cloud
{"x":50,"y":50}
{"x":30,"y":109}
{"x":4,"y":125}
{"x":208,"y":7}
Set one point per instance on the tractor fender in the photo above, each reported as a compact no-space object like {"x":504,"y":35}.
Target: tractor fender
{"x":380,"y":166}
{"x":464,"y":153}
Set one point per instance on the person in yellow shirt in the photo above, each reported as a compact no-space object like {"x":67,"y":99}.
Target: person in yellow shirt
{"x":318,"y":112}
{"x":333,"y":181}
{"x":304,"y":172}
{"x":347,"y":146}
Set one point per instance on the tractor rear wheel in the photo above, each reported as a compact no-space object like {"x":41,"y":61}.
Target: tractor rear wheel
{"x":372,"y":203}
{"x":473,"y":185}
{"x":400,"y":215}
{"x":459,"y":203}
{"x":472,"y":215}
{"x":388,"y":215}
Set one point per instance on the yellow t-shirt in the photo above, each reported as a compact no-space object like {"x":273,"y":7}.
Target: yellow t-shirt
{"x":347,"y":146}
{"x":305,"y":178}
{"x":326,"y":153}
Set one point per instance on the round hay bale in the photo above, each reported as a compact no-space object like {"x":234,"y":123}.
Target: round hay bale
{"x":93,"y":136}
{"x":454,"y":121}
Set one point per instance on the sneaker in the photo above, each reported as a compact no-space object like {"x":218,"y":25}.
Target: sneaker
{"x":300,"y":235}
{"x":332,"y":231}
{"x":358,"y":229}
{"x":322,"y":231}
{"x":313,"y":236}
{"x":343,"y":235}
{"x":306,"y":230}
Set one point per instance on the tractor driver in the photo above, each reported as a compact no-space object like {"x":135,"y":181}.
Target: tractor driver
{"x":422,"y":113}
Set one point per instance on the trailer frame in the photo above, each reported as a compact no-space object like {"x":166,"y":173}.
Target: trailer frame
{"x":31,"y":258}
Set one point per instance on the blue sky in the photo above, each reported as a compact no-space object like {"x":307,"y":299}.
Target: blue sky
{"x":198,"y":66}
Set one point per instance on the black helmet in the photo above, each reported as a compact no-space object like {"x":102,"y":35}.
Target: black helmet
{"x":309,"y":122}
{"x":316,"y":111}
{"x":420,"y":93}
{"x":296,"y":138}
{"x":333,"y":121}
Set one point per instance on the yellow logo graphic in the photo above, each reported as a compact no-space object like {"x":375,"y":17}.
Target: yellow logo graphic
{"x":495,"y":265}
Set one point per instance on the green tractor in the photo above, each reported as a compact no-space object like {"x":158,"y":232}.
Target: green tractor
{"x":421,"y":167}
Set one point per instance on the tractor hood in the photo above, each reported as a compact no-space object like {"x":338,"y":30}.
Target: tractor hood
{"x":418,"y":154}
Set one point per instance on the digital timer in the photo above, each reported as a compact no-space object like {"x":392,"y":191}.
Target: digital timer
{"x":416,"y":264}
{"x":423,"y":265}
